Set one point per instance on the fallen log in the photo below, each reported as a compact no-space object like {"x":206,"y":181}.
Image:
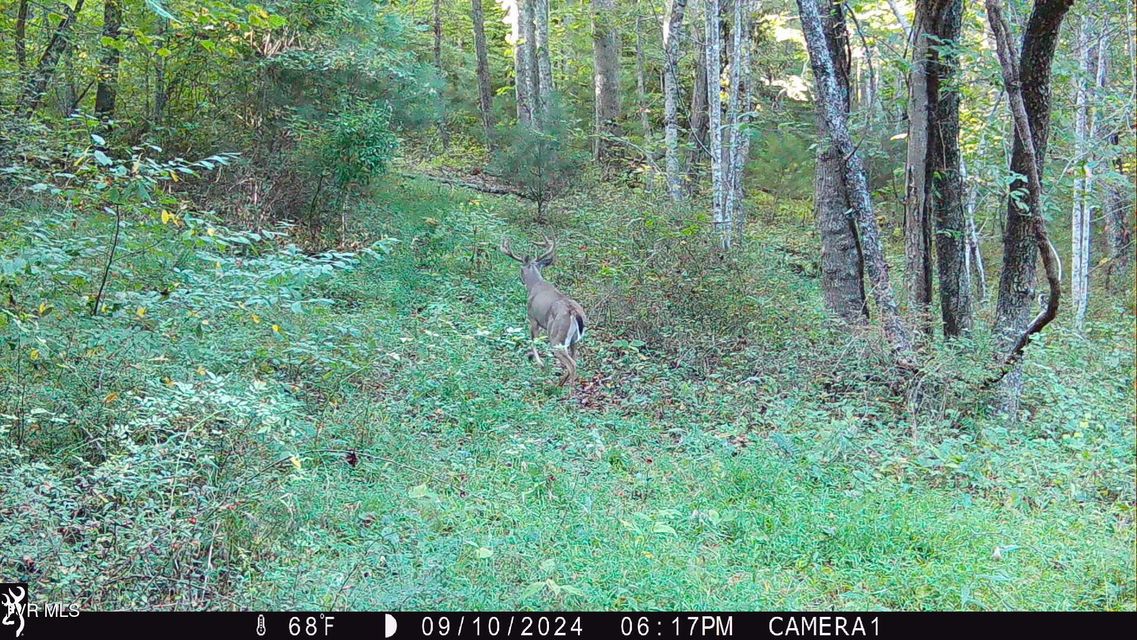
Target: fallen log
{"x":481,"y":186}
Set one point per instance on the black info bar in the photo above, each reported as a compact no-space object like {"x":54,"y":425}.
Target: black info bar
{"x":70,"y":622}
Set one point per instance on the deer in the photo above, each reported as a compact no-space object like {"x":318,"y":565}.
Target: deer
{"x":559,"y":316}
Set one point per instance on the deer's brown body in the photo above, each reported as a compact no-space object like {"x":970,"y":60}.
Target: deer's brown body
{"x":559,"y":316}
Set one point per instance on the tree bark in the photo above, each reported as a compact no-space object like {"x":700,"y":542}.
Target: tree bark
{"x":945,"y":175}
{"x":543,"y":86}
{"x":973,"y":257}
{"x":161,"y":91}
{"x":900,"y":19}
{"x":672,"y":46}
{"x":485,"y":89}
{"x":35,"y":86}
{"x":606,"y":79}
{"x":1083,"y":179}
{"x":917,"y":214}
{"x":1027,"y":83}
{"x":699,"y":120}
{"x":1118,"y":205}
{"x":107,"y":91}
{"x":641,"y":82}
{"x":842,"y":264}
{"x":714,"y":111}
{"x":832,"y":104}
{"x":519,"y":15}
{"x":741,"y":136}
{"x":1117,"y":201}
{"x":731,"y":132}
{"x":443,"y":132}
{"x":21,"y":37}
{"x":871,"y":92}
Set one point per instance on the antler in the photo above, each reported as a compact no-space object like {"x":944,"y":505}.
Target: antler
{"x":505,"y":248}
{"x":550,"y":253}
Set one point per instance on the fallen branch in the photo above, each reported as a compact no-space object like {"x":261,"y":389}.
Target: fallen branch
{"x":482,"y":187}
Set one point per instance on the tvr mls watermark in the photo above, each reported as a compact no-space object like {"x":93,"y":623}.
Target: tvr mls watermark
{"x":18,"y":609}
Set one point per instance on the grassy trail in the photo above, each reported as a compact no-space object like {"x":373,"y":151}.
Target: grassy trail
{"x":479,"y":485}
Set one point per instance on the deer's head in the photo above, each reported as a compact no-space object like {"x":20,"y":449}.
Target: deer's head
{"x":531,"y":266}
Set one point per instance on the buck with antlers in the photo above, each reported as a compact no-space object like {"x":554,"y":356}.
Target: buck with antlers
{"x":559,"y":316}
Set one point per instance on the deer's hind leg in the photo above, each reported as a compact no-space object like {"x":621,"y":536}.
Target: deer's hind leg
{"x":568,"y":364}
{"x":534,"y":330}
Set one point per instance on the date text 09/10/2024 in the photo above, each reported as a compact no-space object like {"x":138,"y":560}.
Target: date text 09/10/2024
{"x":701,"y":626}
{"x":631,"y":626}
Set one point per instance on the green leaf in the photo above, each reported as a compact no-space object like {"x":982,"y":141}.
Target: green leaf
{"x":102,"y":158}
{"x":533,"y":589}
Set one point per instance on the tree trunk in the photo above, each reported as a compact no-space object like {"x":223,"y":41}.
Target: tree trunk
{"x":106,"y":93}
{"x":842,"y":265}
{"x":1118,"y":189}
{"x":699,"y":120}
{"x":1083,"y":179}
{"x":871,"y":93}
{"x":944,"y":178}
{"x":900,"y":19}
{"x":833,"y":107}
{"x":443,"y":133}
{"x":21,"y":37}
{"x":606,"y":79}
{"x":714,"y":111}
{"x":520,"y":17}
{"x":672,"y":35}
{"x":973,"y":257}
{"x":740,"y":139}
{"x":485,"y":89}
{"x":917,"y":218}
{"x":543,"y":87}
{"x":161,"y":94}
{"x":1118,"y":205}
{"x":1027,"y":81}
{"x":731,"y":131}
{"x":641,"y":83}
{"x":35,"y":86}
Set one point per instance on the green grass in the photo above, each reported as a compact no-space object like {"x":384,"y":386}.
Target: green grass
{"x":496,"y":491}
{"x":774,"y":472}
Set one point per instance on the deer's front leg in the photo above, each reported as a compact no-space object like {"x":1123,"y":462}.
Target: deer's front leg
{"x":534,"y":329}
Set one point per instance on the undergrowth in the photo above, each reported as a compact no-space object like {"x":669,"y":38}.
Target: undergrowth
{"x":247,"y":425}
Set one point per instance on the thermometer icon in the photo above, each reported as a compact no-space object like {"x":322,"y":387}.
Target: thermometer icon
{"x":260,"y":625}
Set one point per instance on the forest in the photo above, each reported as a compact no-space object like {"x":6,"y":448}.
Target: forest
{"x":568,"y":304}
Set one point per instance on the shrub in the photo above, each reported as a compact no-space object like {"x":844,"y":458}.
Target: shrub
{"x":537,"y":161}
{"x":337,"y":158}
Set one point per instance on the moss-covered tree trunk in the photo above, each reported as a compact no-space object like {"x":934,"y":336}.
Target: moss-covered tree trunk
{"x":842,"y":265}
{"x":832,"y":105}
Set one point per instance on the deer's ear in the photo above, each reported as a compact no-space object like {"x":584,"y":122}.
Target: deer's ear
{"x":545,"y":261}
